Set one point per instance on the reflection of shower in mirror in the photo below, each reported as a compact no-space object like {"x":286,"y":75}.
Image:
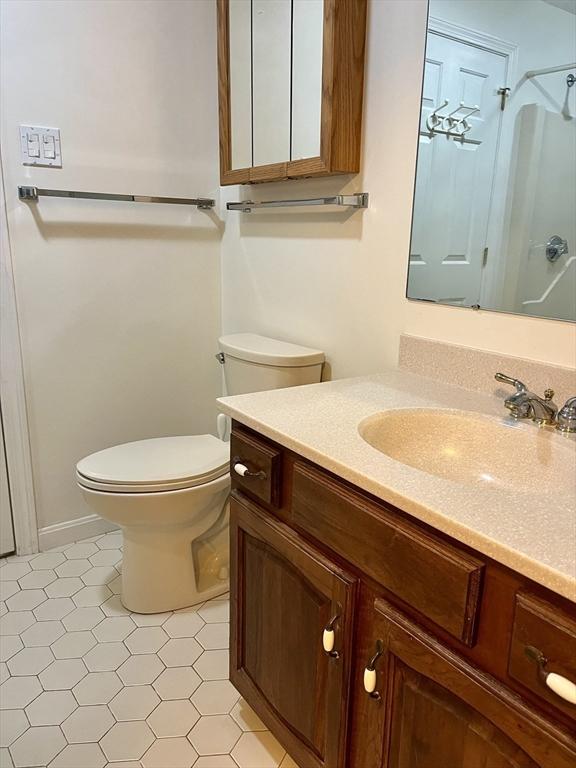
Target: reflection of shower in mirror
{"x":496,"y":172}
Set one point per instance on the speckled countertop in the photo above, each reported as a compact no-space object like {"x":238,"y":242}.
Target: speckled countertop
{"x":532,"y":532}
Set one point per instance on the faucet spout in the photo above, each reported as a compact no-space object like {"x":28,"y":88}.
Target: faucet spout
{"x":524,"y":404}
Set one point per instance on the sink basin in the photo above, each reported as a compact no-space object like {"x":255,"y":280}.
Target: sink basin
{"x":474,"y":449}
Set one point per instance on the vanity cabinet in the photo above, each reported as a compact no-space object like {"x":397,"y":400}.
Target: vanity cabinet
{"x":290,"y":87}
{"x":342,"y":646}
{"x":286,"y":596}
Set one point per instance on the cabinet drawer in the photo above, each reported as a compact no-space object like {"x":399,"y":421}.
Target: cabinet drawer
{"x":264,"y":465}
{"x":552,"y":633}
{"x":434,"y":577}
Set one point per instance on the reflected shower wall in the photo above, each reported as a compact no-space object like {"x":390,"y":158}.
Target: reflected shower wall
{"x":542,"y":204}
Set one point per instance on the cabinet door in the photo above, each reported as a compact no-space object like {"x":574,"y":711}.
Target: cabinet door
{"x":284,"y":596}
{"x":431,"y":709}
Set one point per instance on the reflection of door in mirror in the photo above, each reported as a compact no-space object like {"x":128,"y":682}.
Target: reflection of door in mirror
{"x":455,"y":174}
{"x":495,"y":193}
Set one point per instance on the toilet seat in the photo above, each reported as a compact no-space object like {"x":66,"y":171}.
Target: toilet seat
{"x":157,"y":464}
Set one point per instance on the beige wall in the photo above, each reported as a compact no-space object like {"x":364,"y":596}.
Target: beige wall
{"x":118,"y":302}
{"x":338,"y":282}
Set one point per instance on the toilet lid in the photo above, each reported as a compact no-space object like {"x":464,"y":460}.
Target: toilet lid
{"x":162,"y":463}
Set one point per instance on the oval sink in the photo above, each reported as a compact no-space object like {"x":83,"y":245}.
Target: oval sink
{"x":474,"y":449}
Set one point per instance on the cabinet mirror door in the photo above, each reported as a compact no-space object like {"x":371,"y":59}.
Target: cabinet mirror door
{"x":429,"y":707}
{"x":291,"y":76}
{"x":291,"y":635}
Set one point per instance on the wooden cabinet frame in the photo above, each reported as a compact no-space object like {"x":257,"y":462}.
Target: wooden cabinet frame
{"x":342,"y":93}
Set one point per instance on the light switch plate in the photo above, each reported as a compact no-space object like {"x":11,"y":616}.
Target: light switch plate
{"x":40,"y":146}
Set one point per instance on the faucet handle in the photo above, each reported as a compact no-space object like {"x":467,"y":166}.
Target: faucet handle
{"x":566,"y":418}
{"x":520,"y":386}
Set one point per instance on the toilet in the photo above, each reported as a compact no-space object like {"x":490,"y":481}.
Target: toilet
{"x":169,"y":495}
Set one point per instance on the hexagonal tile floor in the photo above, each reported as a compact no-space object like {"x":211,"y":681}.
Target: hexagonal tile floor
{"x":84,"y":683}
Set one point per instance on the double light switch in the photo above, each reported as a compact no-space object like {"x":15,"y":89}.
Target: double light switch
{"x":40,"y":146}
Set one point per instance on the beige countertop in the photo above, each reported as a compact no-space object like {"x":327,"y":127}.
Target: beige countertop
{"x":533,"y":533}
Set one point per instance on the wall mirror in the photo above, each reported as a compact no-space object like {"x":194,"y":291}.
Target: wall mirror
{"x":494,"y":218}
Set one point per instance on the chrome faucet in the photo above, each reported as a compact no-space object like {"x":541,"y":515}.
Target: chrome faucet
{"x":524,"y":404}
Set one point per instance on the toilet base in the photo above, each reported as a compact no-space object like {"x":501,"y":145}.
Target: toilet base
{"x":177,"y":564}
{"x":158,"y":571}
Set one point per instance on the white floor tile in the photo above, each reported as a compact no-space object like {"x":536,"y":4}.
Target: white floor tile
{"x":173,"y":718}
{"x":183,"y":624}
{"x":79,"y":756}
{"x":114,"y":629}
{"x":63,"y":674}
{"x":213,"y":665}
{"x":214,"y":636}
{"x":106,"y":657}
{"x":73,"y":645}
{"x":85,"y":683}
{"x":258,"y":750}
{"x":54,"y":609}
{"x":127,"y":741}
{"x":18,"y":692}
{"x":134,"y":703}
{"x":216,"y":697}
{"x":37,"y":747}
{"x":177,"y":683}
{"x":246,"y":718}
{"x":51,"y":708}
{"x":83,"y":618}
{"x":97,"y":688}
{"x":146,"y":640}
{"x":87,"y":724}
{"x":214,"y":735}
{"x":30,"y":661}
{"x":180,"y":652}
{"x":169,"y":753}
{"x":64,"y":587}
{"x":14,"y":723}
{"x":42,"y":633}
{"x":140,"y":670}
{"x":37,"y":579}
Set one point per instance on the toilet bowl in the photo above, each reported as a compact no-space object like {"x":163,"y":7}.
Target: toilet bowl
{"x":169,"y":495}
{"x":170,"y":498}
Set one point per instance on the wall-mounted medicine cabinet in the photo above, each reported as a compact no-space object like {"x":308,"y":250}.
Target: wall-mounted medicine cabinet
{"x":291,"y":77}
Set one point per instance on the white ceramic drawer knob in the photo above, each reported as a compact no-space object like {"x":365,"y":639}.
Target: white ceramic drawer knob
{"x":241,"y":469}
{"x":369,"y":680}
{"x":328,"y":640}
{"x":562,"y":687}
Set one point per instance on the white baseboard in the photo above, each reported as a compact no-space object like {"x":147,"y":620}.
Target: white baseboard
{"x":72,"y":530}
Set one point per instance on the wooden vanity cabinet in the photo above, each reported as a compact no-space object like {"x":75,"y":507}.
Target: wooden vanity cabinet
{"x":450,"y":691}
{"x":285,"y":595}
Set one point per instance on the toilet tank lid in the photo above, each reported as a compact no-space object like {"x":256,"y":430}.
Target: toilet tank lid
{"x":260,"y":349}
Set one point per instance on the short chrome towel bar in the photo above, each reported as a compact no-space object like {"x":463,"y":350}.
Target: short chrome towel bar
{"x":359,"y":200}
{"x":31,"y":194}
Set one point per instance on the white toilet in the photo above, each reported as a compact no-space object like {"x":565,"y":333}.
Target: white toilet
{"x":170,"y":494}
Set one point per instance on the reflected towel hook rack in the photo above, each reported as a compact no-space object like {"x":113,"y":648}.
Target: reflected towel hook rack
{"x":359,"y":200}
{"x":31,"y":194}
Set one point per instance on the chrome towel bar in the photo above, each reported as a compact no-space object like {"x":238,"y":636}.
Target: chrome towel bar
{"x":31,"y":194}
{"x":359,"y":200}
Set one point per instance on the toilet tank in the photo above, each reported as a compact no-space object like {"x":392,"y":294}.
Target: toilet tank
{"x":255,"y":363}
